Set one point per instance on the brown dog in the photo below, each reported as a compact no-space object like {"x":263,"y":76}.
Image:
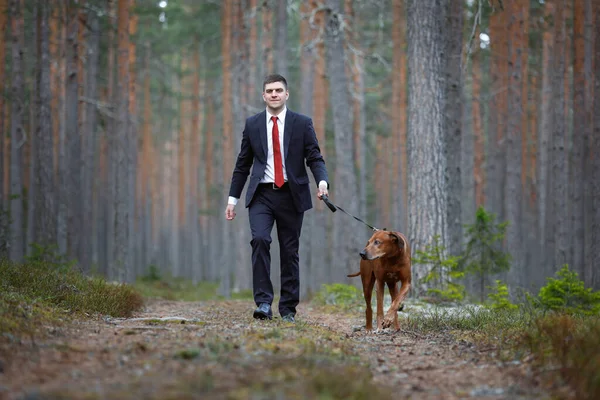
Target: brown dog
{"x":385,"y":259}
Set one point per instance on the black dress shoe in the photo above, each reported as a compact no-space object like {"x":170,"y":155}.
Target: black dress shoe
{"x":263,"y":311}
{"x":288,"y":318}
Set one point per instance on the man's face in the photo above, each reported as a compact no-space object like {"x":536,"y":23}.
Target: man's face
{"x":275,"y":95}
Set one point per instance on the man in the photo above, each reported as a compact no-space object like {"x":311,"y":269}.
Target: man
{"x":276,"y":142}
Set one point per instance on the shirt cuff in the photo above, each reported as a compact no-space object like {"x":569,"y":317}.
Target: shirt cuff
{"x":324,"y":184}
{"x":232,"y":200}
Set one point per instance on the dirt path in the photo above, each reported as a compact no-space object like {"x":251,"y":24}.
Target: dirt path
{"x":216,"y":350}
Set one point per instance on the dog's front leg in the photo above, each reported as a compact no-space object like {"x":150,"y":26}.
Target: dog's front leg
{"x":380,"y":288}
{"x":392,"y":314}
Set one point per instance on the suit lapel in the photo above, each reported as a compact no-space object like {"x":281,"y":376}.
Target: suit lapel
{"x":262,"y":129}
{"x":287,"y":132}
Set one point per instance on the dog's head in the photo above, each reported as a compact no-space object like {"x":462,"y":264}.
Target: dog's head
{"x":384,"y":244}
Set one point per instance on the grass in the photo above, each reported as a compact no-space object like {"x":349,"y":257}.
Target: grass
{"x":563,"y":347}
{"x":270,"y":361}
{"x":36,"y":294}
{"x":182,"y":289}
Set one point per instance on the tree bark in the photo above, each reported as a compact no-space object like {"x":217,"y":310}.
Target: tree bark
{"x":344,"y":178}
{"x":45,"y":217}
{"x":267,"y":37}
{"x":545,"y":216}
{"x":226,"y":35}
{"x":478,"y":134}
{"x":595,"y":150}
{"x":282,"y":38}
{"x":427,"y":202}
{"x":319,"y":243}
{"x":120,"y":148}
{"x":453,"y":134}
{"x":73,"y":138}
{"x":581,"y":133}
{"x":90,"y":139}
{"x":559,"y":143}
{"x":513,"y":185}
{"x":3,"y":153}
{"x":498,"y":112}
{"x":399,"y":107}
{"x":17,"y":135}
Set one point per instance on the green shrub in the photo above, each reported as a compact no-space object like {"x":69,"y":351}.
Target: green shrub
{"x":483,"y":253}
{"x":345,"y":296}
{"x":49,"y":256}
{"x":498,"y":297}
{"x":568,"y":294}
{"x":444,"y":272}
{"x":153,"y":274}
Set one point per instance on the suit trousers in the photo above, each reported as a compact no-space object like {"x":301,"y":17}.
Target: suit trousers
{"x":268,"y":207}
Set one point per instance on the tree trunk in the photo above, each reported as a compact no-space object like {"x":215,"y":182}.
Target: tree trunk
{"x":545,"y":216}
{"x":427,"y":202}
{"x":513,"y":185}
{"x":267,"y":38}
{"x":344,"y":179}
{"x":478,"y":134}
{"x":110,"y":136}
{"x":590,"y":15}
{"x":17,"y":135}
{"x":282,"y":38}
{"x":31,"y":158}
{"x":120,"y":148}
{"x":453,"y":134}
{"x":209,"y":186}
{"x":581,"y":133}
{"x":73,"y":138}
{"x":62,"y":173}
{"x":45,"y":218}
{"x":595,"y":151}
{"x":498,"y":113}
{"x":319,"y":243}
{"x":90,"y":139}
{"x":132,"y":147}
{"x":399,"y":107}
{"x":226,"y":35}
{"x":3,"y":153}
{"x":357,"y":95}
{"x":559,"y":142}
{"x":253,"y":95}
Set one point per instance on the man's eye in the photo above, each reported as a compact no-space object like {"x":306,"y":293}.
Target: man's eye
{"x":279,"y":90}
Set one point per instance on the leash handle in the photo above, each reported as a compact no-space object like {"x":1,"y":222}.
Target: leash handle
{"x":328,"y":203}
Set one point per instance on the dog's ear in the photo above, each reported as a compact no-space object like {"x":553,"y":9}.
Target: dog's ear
{"x":398,"y":240}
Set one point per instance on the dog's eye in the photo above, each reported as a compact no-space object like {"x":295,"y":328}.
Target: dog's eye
{"x":377,"y":242}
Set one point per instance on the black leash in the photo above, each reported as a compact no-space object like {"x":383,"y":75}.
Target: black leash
{"x":334,"y":208}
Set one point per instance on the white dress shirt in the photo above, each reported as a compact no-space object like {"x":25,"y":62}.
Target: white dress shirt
{"x":269,"y":176}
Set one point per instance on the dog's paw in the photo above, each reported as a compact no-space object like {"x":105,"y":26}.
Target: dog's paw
{"x":387,"y":322}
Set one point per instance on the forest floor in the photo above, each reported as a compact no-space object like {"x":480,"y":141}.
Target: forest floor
{"x":216,"y":350}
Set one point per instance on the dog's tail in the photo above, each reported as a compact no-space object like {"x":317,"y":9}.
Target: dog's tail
{"x":353,"y":275}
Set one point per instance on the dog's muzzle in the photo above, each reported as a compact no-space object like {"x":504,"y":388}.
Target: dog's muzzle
{"x":363,"y":255}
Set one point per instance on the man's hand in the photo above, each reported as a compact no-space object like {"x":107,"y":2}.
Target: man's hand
{"x":230,"y":212}
{"x":322,"y":189}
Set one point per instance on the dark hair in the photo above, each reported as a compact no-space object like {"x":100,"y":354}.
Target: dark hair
{"x":274,"y":78}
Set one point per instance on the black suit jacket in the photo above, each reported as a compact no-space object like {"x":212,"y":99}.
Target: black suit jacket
{"x":299,"y":143}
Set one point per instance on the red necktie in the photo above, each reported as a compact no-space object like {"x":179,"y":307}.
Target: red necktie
{"x":277,"y":155}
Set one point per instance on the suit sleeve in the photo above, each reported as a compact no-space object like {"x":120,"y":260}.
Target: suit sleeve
{"x":242,"y":165}
{"x":312,"y":153}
